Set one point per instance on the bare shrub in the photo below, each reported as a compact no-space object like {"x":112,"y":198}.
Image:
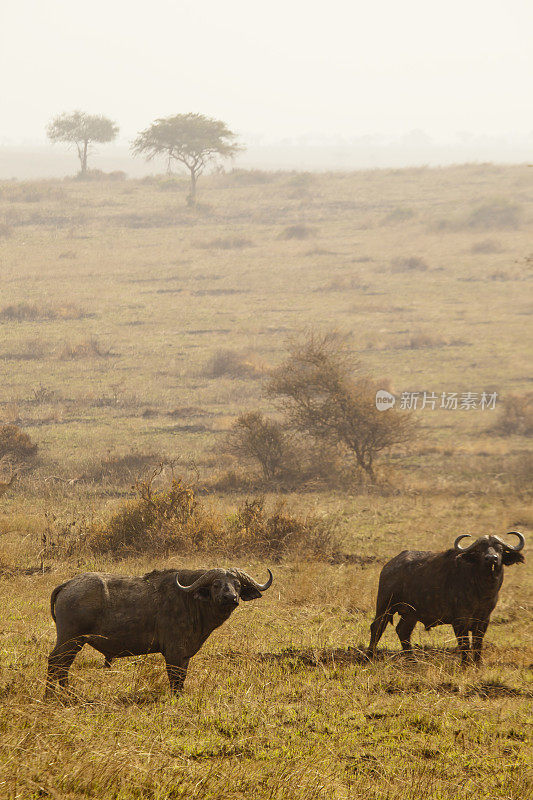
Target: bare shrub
{"x":486,"y":246}
{"x":300,"y":231}
{"x":262,"y":441}
{"x":88,"y":348}
{"x":408,"y":264}
{"x":495,"y":214}
{"x":6,"y":230}
{"x":157,"y":520}
{"x":249,"y":177}
{"x":15,"y":444}
{"x":30,"y":350}
{"x":516,"y":416}
{"x":421,"y":339}
{"x":42,"y":394}
{"x":280,"y":533}
{"x":227,"y":243}
{"x":184,"y":412}
{"x":398,"y":215}
{"x":232,"y":364}
{"x":344,"y":283}
{"x":120,"y":468}
{"x":519,"y":470}
{"x":33,"y":312}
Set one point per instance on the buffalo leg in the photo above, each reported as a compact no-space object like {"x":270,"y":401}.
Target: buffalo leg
{"x":478,"y":632}
{"x":176,"y":671}
{"x":463,"y":641}
{"x":376,"y":631}
{"x":59,"y":662}
{"x":404,"y":630}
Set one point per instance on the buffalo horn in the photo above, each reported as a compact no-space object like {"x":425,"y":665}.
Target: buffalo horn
{"x":462,"y":549}
{"x":516,"y":548}
{"x":204,"y":579}
{"x":245,"y":578}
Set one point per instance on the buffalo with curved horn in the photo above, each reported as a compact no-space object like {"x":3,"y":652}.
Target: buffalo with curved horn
{"x":166,"y":612}
{"x":457,"y":587}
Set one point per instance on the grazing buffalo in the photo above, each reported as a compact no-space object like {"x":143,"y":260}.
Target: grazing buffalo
{"x":458,"y":587}
{"x":166,"y":612}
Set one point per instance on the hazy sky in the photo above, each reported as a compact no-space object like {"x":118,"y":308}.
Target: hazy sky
{"x":280,"y":68}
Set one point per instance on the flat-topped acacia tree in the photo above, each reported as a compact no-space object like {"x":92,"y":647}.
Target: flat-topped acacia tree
{"x":193,"y":140}
{"x":82,"y":130}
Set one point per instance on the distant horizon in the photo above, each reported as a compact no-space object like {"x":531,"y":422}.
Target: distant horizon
{"x":42,"y":160}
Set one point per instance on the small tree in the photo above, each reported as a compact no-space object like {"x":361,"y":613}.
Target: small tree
{"x":81,"y":130}
{"x":190,"y":139}
{"x":257,"y":438}
{"x":322,"y":391}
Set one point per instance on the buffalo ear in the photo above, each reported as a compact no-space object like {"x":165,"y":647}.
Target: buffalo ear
{"x":249,"y":593}
{"x":203,"y":594}
{"x":511,"y":557}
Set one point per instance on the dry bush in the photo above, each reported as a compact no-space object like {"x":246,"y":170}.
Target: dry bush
{"x":398,"y":215}
{"x":120,"y":468}
{"x":42,"y":394}
{"x":6,"y":230}
{"x":297,"y":232}
{"x":516,"y":416}
{"x":88,"y":348}
{"x":407,"y":264}
{"x":495,"y":214}
{"x":344,"y":283}
{"x":30,"y":350}
{"x":280,"y":533}
{"x":174,"y":520}
{"x":519,"y":470}
{"x":232,"y":364}
{"x":421,"y":339}
{"x":503,"y":275}
{"x":99,"y":175}
{"x":15,"y":444}
{"x":227,"y":243}
{"x":263,"y":441}
{"x":248,"y":177}
{"x":33,"y":312}
{"x":157,"y":521}
{"x":184,"y":412}
{"x":486,"y":246}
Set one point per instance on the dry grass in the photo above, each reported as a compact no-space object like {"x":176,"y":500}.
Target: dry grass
{"x":279,"y":703}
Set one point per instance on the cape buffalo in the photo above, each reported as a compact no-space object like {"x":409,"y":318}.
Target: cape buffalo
{"x":458,"y":587}
{"x":166,"y":612}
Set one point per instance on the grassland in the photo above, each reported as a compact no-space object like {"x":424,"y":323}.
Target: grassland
{"x":114,"y":298}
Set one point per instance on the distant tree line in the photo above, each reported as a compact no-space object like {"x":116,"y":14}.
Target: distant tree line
{"x":192,"y":140}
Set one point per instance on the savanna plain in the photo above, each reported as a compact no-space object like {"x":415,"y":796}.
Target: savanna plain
{"x":133,"y":332}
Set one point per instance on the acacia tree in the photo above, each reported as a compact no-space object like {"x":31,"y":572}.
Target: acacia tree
{"x":324,"y":394}
{"x":193,"y":140}
{"x":81,"y":130}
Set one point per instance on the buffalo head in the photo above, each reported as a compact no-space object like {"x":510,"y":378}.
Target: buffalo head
{"x":490,"y":552}
{"x":225,"y":587}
